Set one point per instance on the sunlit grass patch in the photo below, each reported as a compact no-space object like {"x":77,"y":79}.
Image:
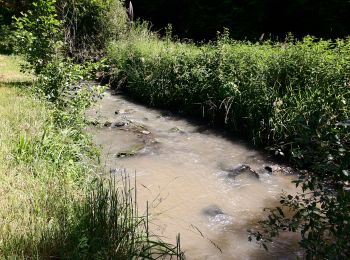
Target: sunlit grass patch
{"x":10,"y":70}
{"x":37,"y":189}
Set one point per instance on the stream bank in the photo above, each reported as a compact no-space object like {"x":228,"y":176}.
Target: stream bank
{"x":197,"y":182}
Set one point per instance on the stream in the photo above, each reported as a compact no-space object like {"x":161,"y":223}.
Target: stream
{"x":198,"y":182}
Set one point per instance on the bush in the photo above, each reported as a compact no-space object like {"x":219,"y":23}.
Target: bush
{"x":246,"y":86}
{"x":79,"y":29}
{"x":38,"y":35}
{"x":89,"y":25}
{"x":6,"y":39}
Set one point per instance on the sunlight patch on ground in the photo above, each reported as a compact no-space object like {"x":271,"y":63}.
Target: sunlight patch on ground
{"x":10,"y":67}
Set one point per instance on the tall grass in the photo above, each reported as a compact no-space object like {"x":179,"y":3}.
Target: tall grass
{"x":272,"y":93}
{"x":110,"y":227}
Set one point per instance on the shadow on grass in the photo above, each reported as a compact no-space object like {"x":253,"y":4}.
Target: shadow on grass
{"x":16,"y":84}
{"x":4,"y":50}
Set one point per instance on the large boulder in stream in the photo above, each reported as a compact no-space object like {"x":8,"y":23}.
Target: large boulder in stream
{"x":234,"y":171}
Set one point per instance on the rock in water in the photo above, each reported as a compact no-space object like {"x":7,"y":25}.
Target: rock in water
{"x":118,"y":124}
{"x":279,"y":169}
{"x":234,"y":171}
{"x":212,"y":211}
{"x":174,"y":130}
{"x":133,"y":150}
{"x":107,"y":124}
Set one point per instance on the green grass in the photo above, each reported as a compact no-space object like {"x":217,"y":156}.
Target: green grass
{"x":53,"y":204}
{"x":41,"y":171}
{"x":10,"y":70}
{"x":34,"y":191}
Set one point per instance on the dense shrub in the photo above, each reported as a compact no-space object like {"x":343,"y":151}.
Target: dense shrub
{"x":90,"y":24}
{"x":6,"y":39}
{"x":292,"y":97}
{"x":262,"y":90}
{"x":38,"y":35}
{"x":79,"y":29}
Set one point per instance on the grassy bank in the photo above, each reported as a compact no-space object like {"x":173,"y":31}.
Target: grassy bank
{"x":278,"y":94}
{"x":31,"y":183}
{"x":52,"y":204}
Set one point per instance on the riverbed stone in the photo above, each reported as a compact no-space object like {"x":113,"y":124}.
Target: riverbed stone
{"x":118,"y":124}
{"x":239,"y":169}
{"x":107,"y":124}
{"x":167,"y":114}
{"x":116,"y":171}
{"x":212,"y":211}
{"x":126,"y":111}
{"x":279,"y":169}
{"x":174,"y":130}
{"x":133,"y":150}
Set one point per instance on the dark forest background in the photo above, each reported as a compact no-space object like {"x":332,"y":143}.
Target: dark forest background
{"x":248,"y":19}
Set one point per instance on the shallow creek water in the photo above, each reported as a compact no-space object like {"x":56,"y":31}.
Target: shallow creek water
{"x":183,"y":171}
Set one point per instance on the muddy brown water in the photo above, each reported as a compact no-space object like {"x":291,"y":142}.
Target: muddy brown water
{"x":180,"y":170}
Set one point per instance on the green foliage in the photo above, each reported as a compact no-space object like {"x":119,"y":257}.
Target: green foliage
{"x":321,"y":211}
{"x":65,"y":85}
{"x":80,"y":29}
{"x":9,"y":9}
{"x":38,"y":34}
{"x":292,"y":96}
{"x":90,"y":24}
{"x":6,"y":39}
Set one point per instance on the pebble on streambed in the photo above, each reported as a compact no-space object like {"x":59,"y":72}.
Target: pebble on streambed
{"x":118,"y":124}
